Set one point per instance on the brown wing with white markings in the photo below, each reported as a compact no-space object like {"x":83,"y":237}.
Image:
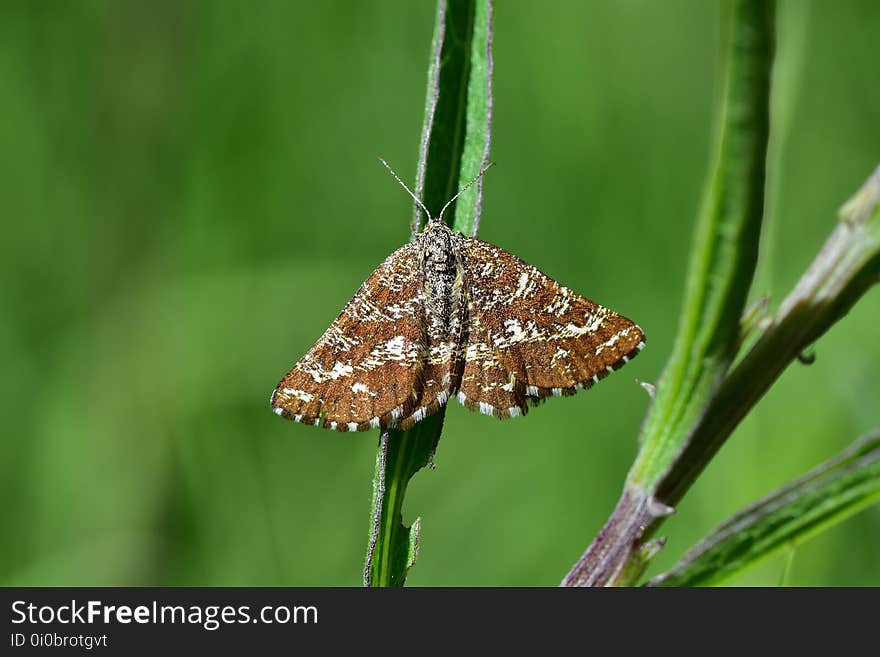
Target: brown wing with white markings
{"x":530,"y":337}
{"x":366,"y":371}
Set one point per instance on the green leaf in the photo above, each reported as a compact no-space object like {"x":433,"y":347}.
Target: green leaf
{"x":454,"y":147}
{"x":478,"y":133}
{"x":457,"y":126}
{"x":823,"y":497}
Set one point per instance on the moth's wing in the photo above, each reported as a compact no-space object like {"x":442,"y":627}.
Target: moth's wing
{"x":530,"y":337}
{"x":365,"y":371}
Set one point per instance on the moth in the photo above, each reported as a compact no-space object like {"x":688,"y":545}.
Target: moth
{"x":447,"y":315}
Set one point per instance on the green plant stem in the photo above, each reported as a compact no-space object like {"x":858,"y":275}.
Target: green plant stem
{"x":725,"y":250}
{"x":845,"y":268}
{"x":831,"y":492}
{"x":847,"y":265}
{"x":455,"y":142}
{"x":722,"y":265}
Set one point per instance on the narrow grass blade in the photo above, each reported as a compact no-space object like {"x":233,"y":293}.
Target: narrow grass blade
{"x":478,"y":133}
{"x":455,"y":135}
{"x":456,"y":131}
{"x":823,"y":497}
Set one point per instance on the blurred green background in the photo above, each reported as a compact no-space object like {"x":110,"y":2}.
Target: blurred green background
{"x":191,"y":193}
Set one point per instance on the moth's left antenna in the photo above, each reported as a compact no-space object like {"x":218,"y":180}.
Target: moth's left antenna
{"x":408,"y":190}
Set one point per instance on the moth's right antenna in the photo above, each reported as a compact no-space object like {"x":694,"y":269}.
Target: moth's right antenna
{"x":464,"y":189}
{"x":408,"y":190}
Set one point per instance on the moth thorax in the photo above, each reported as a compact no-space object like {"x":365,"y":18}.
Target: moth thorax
{"x":438,"y":261}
